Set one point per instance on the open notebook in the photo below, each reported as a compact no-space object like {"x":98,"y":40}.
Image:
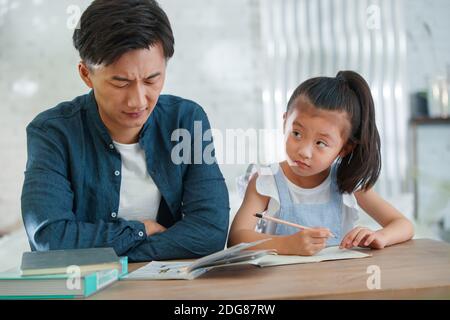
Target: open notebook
{"x":330,"y":253}
{"x":160,"y":270}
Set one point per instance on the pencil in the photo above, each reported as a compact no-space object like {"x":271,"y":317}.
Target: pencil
{"x":261,"y":216}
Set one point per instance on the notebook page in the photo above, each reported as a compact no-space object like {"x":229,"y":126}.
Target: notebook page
{"x":164,"y":270}
{"x":330,"y":253}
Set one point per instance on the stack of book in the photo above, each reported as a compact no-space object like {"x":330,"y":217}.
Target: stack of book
{"x":63,"y":274}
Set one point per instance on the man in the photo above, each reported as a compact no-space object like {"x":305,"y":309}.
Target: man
{"x":100,"y":171}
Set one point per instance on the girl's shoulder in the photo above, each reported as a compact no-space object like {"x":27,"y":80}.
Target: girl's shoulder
{"x":265,"y":181}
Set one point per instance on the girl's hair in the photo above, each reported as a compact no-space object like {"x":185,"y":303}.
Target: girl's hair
{"x":349,"y":92}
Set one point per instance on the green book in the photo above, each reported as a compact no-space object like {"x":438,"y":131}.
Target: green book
{"x":13,"y":285}
{"x":57,"y":261}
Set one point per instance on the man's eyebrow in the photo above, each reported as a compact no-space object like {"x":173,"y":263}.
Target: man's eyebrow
{"x":119,"y":78}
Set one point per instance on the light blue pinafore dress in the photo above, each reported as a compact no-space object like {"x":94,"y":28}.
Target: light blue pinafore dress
{"x":327,"y":215}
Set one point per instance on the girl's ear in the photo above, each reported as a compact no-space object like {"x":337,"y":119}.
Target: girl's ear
{"x":347,"y":149}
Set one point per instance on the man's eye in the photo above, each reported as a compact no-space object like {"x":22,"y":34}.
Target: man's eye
{"x":296,"y":134}
{"x":120,"y":85}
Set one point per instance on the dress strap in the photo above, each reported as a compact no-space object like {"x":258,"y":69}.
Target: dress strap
{"x":283,"y":190}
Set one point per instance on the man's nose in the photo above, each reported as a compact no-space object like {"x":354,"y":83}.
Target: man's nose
{"x":137,"y":97}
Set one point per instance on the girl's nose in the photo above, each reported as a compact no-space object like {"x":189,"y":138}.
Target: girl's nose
{"x":305,"y":151}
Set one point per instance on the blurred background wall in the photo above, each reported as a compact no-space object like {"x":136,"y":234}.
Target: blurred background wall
{"x":216,"y":64}
{"x":223,"y":61}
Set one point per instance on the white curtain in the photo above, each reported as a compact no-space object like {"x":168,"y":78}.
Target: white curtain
{"x":307,"y":38}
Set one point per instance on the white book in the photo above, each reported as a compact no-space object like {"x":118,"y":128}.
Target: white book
{"x":236,"y":255}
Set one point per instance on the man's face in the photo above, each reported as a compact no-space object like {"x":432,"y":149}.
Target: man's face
{"x":128,"y":90}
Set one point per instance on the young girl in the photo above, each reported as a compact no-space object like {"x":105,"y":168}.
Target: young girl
{"x":332,"y":162}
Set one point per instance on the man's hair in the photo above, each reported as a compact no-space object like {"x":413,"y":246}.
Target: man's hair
{"x":110,"y":28}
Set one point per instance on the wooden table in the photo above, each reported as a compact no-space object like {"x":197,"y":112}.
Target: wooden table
{"x":417,"y":269}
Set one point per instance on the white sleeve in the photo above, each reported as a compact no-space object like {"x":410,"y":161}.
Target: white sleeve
{"x":242,"y":180}
{"x":266,"y":186}
{"x":350,"y":210}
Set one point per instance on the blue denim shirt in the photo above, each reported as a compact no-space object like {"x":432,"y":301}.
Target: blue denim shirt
{"x":70,"y":195}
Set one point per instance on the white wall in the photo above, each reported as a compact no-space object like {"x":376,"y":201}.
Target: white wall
{"x":37,"y":70}
{"x":428,"y":51}
{"x":215,"y":63}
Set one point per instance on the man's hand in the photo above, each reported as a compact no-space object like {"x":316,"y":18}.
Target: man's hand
{"x":152,"y":227}
{"x":364,"y":237}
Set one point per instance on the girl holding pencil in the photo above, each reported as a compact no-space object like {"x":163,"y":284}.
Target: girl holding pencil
{"x":312,"y":199}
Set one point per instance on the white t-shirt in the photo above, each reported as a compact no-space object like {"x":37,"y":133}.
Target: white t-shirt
{"x":139,"y":195}
{"x":266,"y":185}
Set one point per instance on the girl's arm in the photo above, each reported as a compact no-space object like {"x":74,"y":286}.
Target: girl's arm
{"x":305,"y":242}
{"x":396,"y":228}
{"x":244,"y":223}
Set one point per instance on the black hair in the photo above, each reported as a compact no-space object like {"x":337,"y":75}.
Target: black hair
{"x":349,"y":92}
{"x":110,"y":28}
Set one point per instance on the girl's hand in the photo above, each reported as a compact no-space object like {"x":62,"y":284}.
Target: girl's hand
{"x":364,"y":237}
{"x":307,"y":242}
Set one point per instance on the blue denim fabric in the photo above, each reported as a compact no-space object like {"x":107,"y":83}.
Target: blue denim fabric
{"x":326,"y":215}
{"x":70,"y":195}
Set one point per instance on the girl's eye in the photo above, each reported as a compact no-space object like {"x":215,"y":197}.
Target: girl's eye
{"x":296,"y":134}
{"x":322,"y":144}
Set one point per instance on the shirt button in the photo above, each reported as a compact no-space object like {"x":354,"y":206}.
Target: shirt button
{"x":111,"y":146}
{"x":114,"y":214}
{"x":117,"y":173}
{"x":141,"y":234}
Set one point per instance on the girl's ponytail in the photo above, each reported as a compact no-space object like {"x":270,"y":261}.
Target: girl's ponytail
{"x":361,"y":167}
